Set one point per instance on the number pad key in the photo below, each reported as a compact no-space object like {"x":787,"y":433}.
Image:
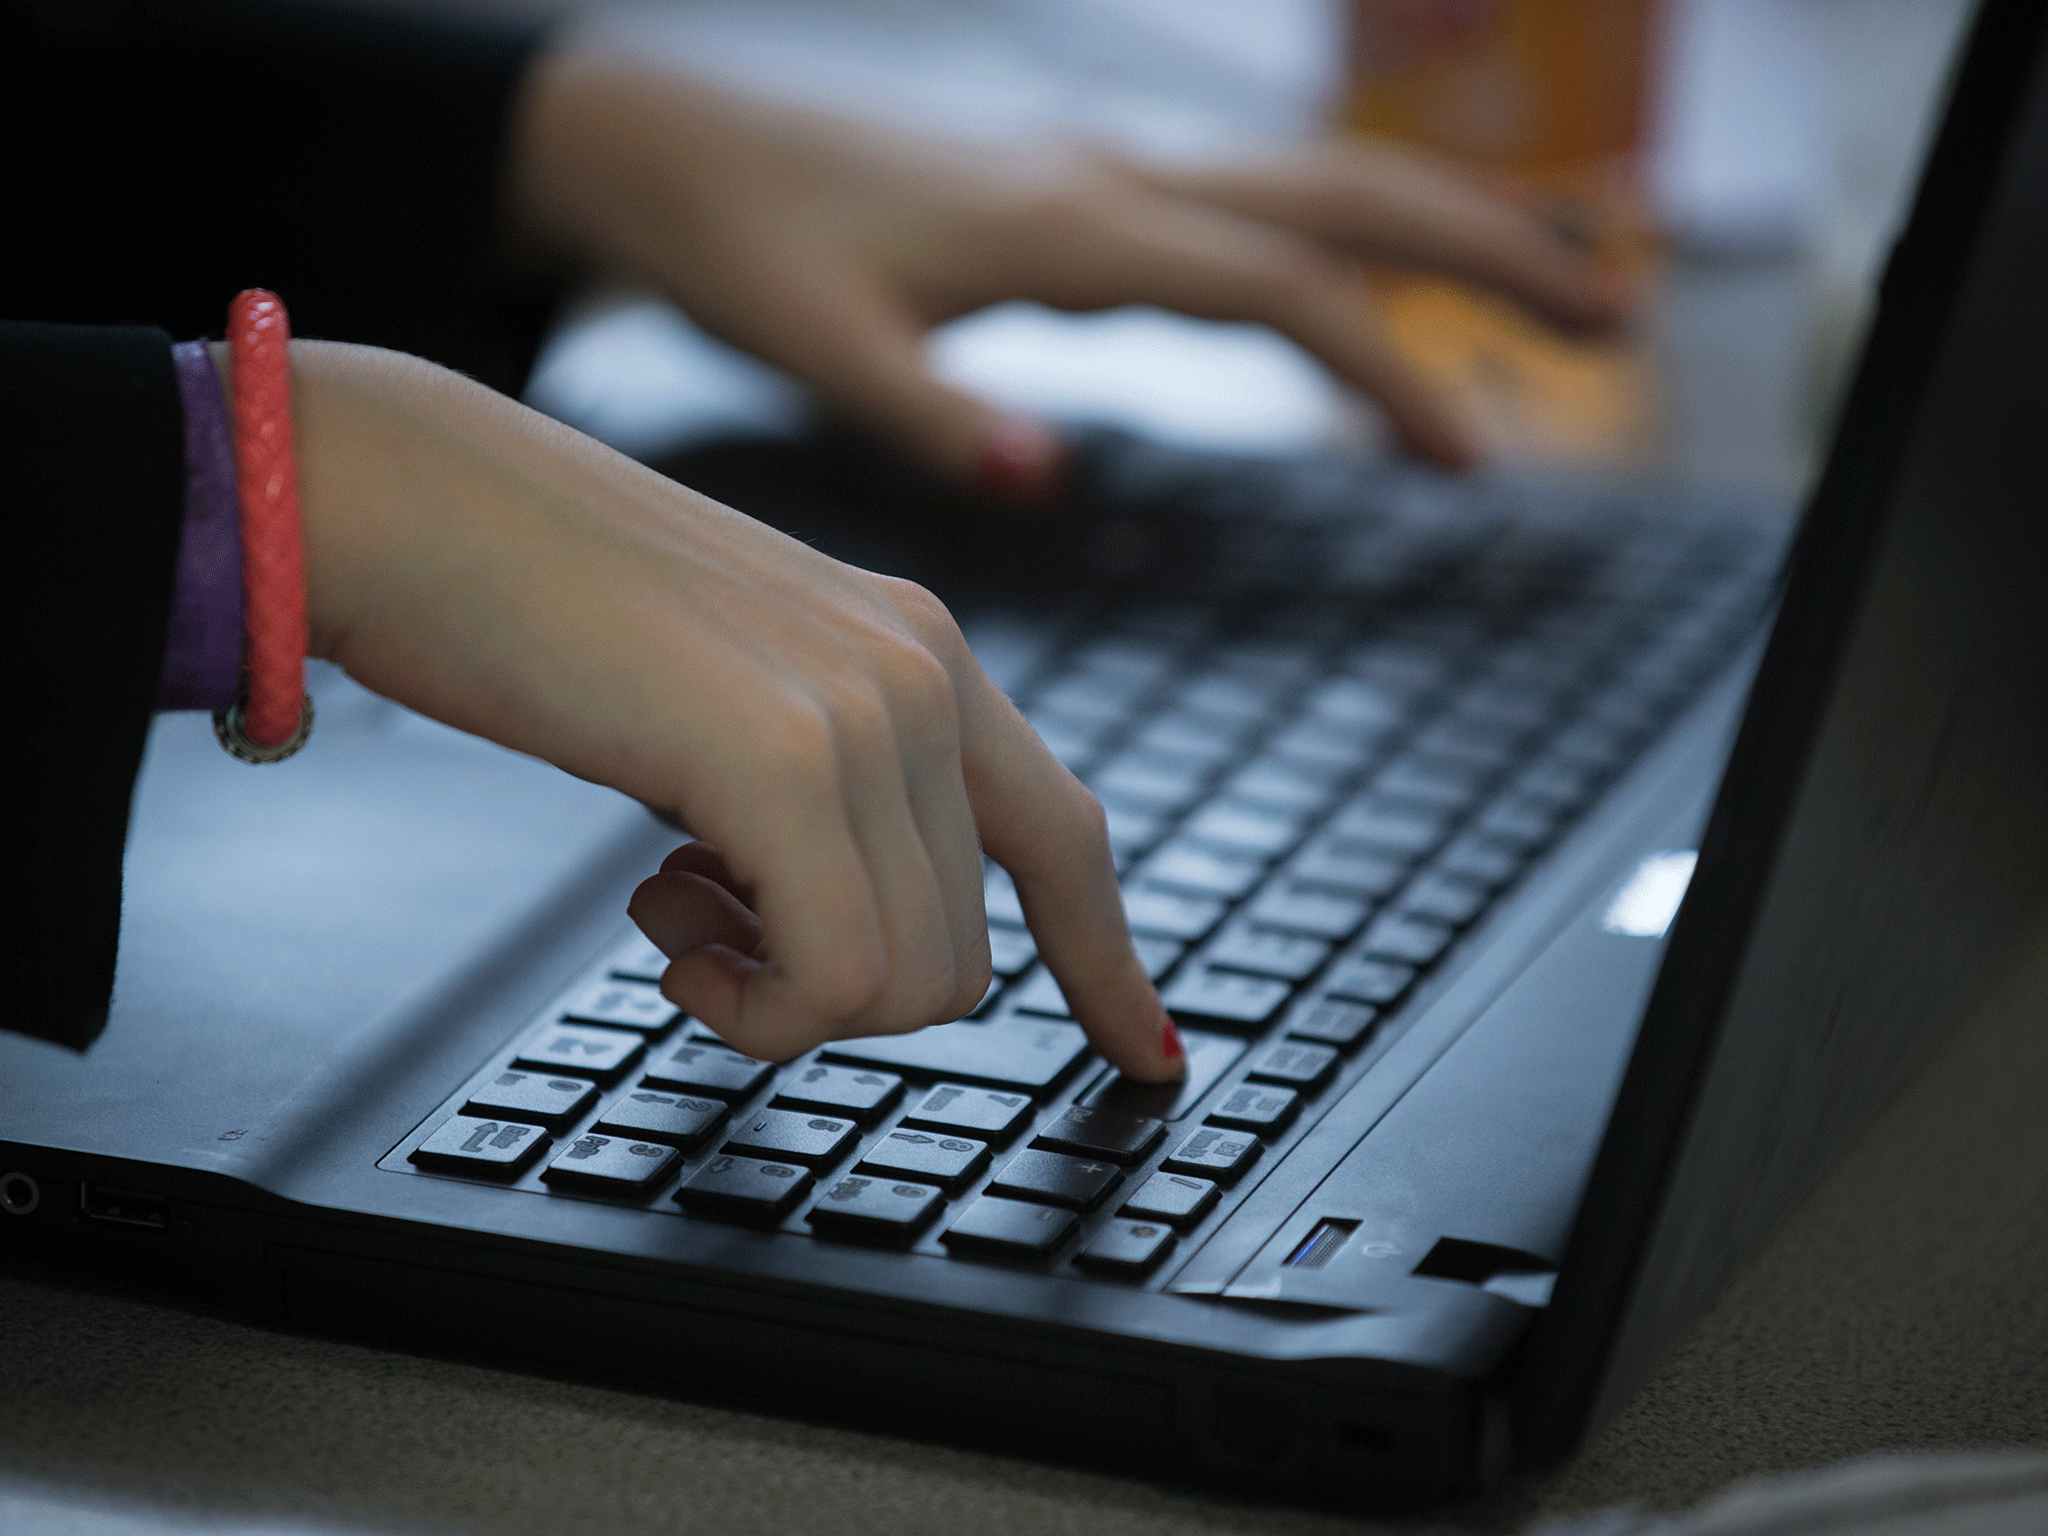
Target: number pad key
{"x":1214,"y":1154}
{"x":675,"y":1118}
{"x":1303,"y":1067}
{"x":622,"y":1005}
{"x":976,"y":1112}
{"x":1370,"y":981}
{"x":744,"y":1189}
{"x":604,"y":1054}
{"x":875,"y":1209}
{"x":699,"y":1066}
{"x":1289,"y":956}
{"x":859,"y":1095}
{"x":1173,"y":1198}
{"x":813,"y":1140}
{"x":1252,"y":1108}
{"x":1224,"y":997}
{"x":1127,"y":1249}
{"x":1102,"y":1133}
{"x":1010,"y":1229}
{"x":611,"y":1165}
{"x":491,"y":1149}
{"x":535,"y":1097}
{"x":1332,"y":1022}
{"x":951,"y":1162}
{"x":1053,"y":1178}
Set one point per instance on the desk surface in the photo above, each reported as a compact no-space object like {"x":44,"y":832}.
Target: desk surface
{"x":1903,"y":1305}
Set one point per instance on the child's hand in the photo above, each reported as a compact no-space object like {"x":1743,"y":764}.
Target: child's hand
{"x":830,"y":247}
{"x":824,"y":730}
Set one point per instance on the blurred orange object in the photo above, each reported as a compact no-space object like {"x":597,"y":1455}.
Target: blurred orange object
{"x":1549,"y":97}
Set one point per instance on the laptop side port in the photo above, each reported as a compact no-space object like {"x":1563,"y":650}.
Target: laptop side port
{"x":98,"y":1203}
{"x":20,"y":1194}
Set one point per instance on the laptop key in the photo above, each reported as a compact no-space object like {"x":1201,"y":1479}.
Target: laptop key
{"x":1040,"y":993}
{"x":861,"y":1096}
{"x":786,"y":1136}
{"x":611,"y":1165}
{"x":1127,"y":1249}
{"x":1302,"y":1067}
{"x":1522,"y":822}
{"x":1285,"y":783}
{"x":1244,"y":828}
{"x":974,"y":1112}
{"x":1131,"y":831}
{"x":1173,"y":1198}
{"x":1214,"y":1154}
{"x":1200,"y":871}
{"x":1348,"y":867}
{"x":999,"y":897}
{"x":1304,"y":910}
{"x":1053,"y":1178}
{"x":1157,"y":955}
{"x":1289,"y":956}
{"x":1435,"y":781}
{"x":951,"y":1162}
{"x":536,"y":1098}
{"x":744,"y":1189}
{"x":699,"y":1066}
{"x":1010,"y":950}
{"x":865,"y":1209}
{"x":638,"y":960}
{"x":995,"y":1228}
{"x":603,"y":1054}
{"x":1444,"y":899}
{"x":1103,"y":1133}
{"x":1410,"y":940}
{"x":1253,"y":1108}
{"x":675,"y":1118}
{"x":1332,"y":1021}
{"x":1224,"y":997}
{"x":1148,"y":781}
{"x":491,"y":1149}
{"x":1329,"y":744}
{"x":1390,"y":826}
{"x":622,"y":1005}
{"x":1191,"y":738}
{"x":1482,"y":862}
{"x":1015,"y":1051}
{"x":1161,"y":914}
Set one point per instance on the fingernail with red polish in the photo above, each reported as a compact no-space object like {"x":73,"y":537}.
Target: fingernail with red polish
{"x":1019,"y":460}
{"x":1169,"y":1040}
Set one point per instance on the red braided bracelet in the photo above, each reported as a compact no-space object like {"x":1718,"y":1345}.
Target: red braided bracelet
{"x":271,"y":715}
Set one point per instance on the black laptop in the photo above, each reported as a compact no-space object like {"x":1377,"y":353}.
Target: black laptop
{"x":1546,"y":887}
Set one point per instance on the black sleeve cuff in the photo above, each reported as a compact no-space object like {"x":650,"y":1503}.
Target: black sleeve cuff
{"x":92,"y":452}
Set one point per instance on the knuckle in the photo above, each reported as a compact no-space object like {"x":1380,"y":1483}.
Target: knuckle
{"x":1296,"y":276}
{"x":1058,"y":207}
{"x":792,"y":743}
{"x":912,"y":684}
{"x":1079,"y":826}
{"x":845,"y":988}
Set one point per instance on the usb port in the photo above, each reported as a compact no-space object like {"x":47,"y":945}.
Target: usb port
{"x":98,"y":1203}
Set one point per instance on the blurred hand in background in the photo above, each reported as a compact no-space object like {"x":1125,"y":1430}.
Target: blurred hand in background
{"x":830,"y":247}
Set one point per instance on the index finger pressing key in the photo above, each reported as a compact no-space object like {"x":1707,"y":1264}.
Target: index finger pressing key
{"x":1042,"y":825}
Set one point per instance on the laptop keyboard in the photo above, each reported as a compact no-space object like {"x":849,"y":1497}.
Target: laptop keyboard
{"x":1312,"y":798}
